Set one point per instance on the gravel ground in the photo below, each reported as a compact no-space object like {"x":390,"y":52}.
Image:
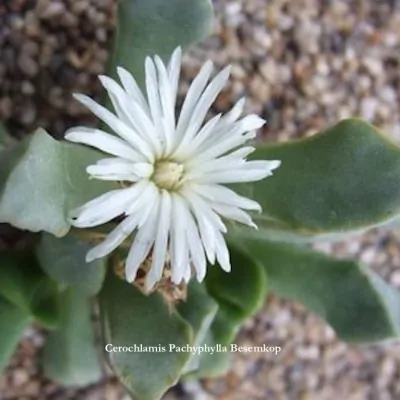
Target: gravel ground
{"x":303,"y":65}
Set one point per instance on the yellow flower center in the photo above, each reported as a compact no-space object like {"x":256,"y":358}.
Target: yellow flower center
{"x":168,"y":175}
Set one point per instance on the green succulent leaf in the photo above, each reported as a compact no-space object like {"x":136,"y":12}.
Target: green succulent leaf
{"x":239,"y":294}
{"x":146,"y":28}
{"x":344,"y":180}
{"x":70,"y":356}
{"x":42,"y":180}
{"x":130,"y":318}
{"x":199,"y":310}
{"x":354,"y":300}
{"x":24,"y":284}
{"x":63,"y":259}
{"x":13,"y":322}
{"x":210,"y":364}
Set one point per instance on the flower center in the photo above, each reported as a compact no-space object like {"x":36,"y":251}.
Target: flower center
{"x":168,"y":175}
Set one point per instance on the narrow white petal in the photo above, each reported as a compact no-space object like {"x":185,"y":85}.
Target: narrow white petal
{"x":178,"y":244}
{"x":113,"y":239}
{"x":148,"y":193}
{"x":113,"y":160}
{"x":225,"y":125}
{"x":188,"y":273}
{"x":247,"y":172}
{"x":117,"y":125}
{"x":153,"y":96}
{"x":222,"y":253}
{"x":117,"y":96}
{"x":143,"y":170}
{"x":142,"y":243}
{"x":220,"y":133}
{"x":234,"y":213}
{"x":229,"y":161}
{"x":187,"y":149}
{"x":180,"y":271}
{"x":115,"y":173}
{"x":103,"y":141}
{"x":233,"y":176}
{"x":161,"y":242}
{"x":222,"y":194}
{"x":174,"y":70}
{"x":206,"y":229}
{"x":235,"y":113}
{"x":251,"y":122}
{"x":193,"y":94}
{"x":196,"y":248}
{"x":142,"y":122}
{"x":132,"y":113}
{"x":233,"y":131}
{"x":108,"y":169}
{"x":167,"y":104}
{"x":222,"y":148}
{"x":261,"y":164}
{"x":203,"y":105}
{"x":202,"y":206}
{"x":132,"y":88}
{"x":103,"y":208}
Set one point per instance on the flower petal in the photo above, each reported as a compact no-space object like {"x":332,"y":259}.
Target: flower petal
{"x":153,"y":97}
{"x":117,"y":125}
{"x":222,"y":252}
{"x":113,"y":239}
{"x":142,"y":243}
{"x":139,"y":210}
{"x":233,"y":213}
{"x":178,"y":243}
{"x":103,"y":209}
{"x":160,"y":247}
{"x":232,"y":133}
{"x":195,"y":245}
{"x":207,"y":234}
{"x":247,"y":172}
{"x":202,"y":206}
{"x":132,"y":88}
{"x":167,"y":100}
{"x":120,"y":171}
{"x":193,"y":94}
{"x":221,"y":194}
{"x":174,"y":70}
{"x":202,"y":107}
{"x":203,"y":134}
{"x":104,"y":142}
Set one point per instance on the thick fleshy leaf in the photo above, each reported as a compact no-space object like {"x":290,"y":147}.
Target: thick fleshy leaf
{"x":70,"y":356}
{"x":344,"y":180}
{"x":239,"y":294}
{"x":199,"y":310}
{"x":13,"y":322}
{"x":216,"y":362}
{"x":133,"y":320}
{"x":354,"y":300}
{"x":146,"y":28}
{"x":24,"y":284}
{"x":42,"y":180}
{"x":63,"y":259}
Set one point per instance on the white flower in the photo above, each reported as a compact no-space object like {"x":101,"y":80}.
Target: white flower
{"x":175,"y":202}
